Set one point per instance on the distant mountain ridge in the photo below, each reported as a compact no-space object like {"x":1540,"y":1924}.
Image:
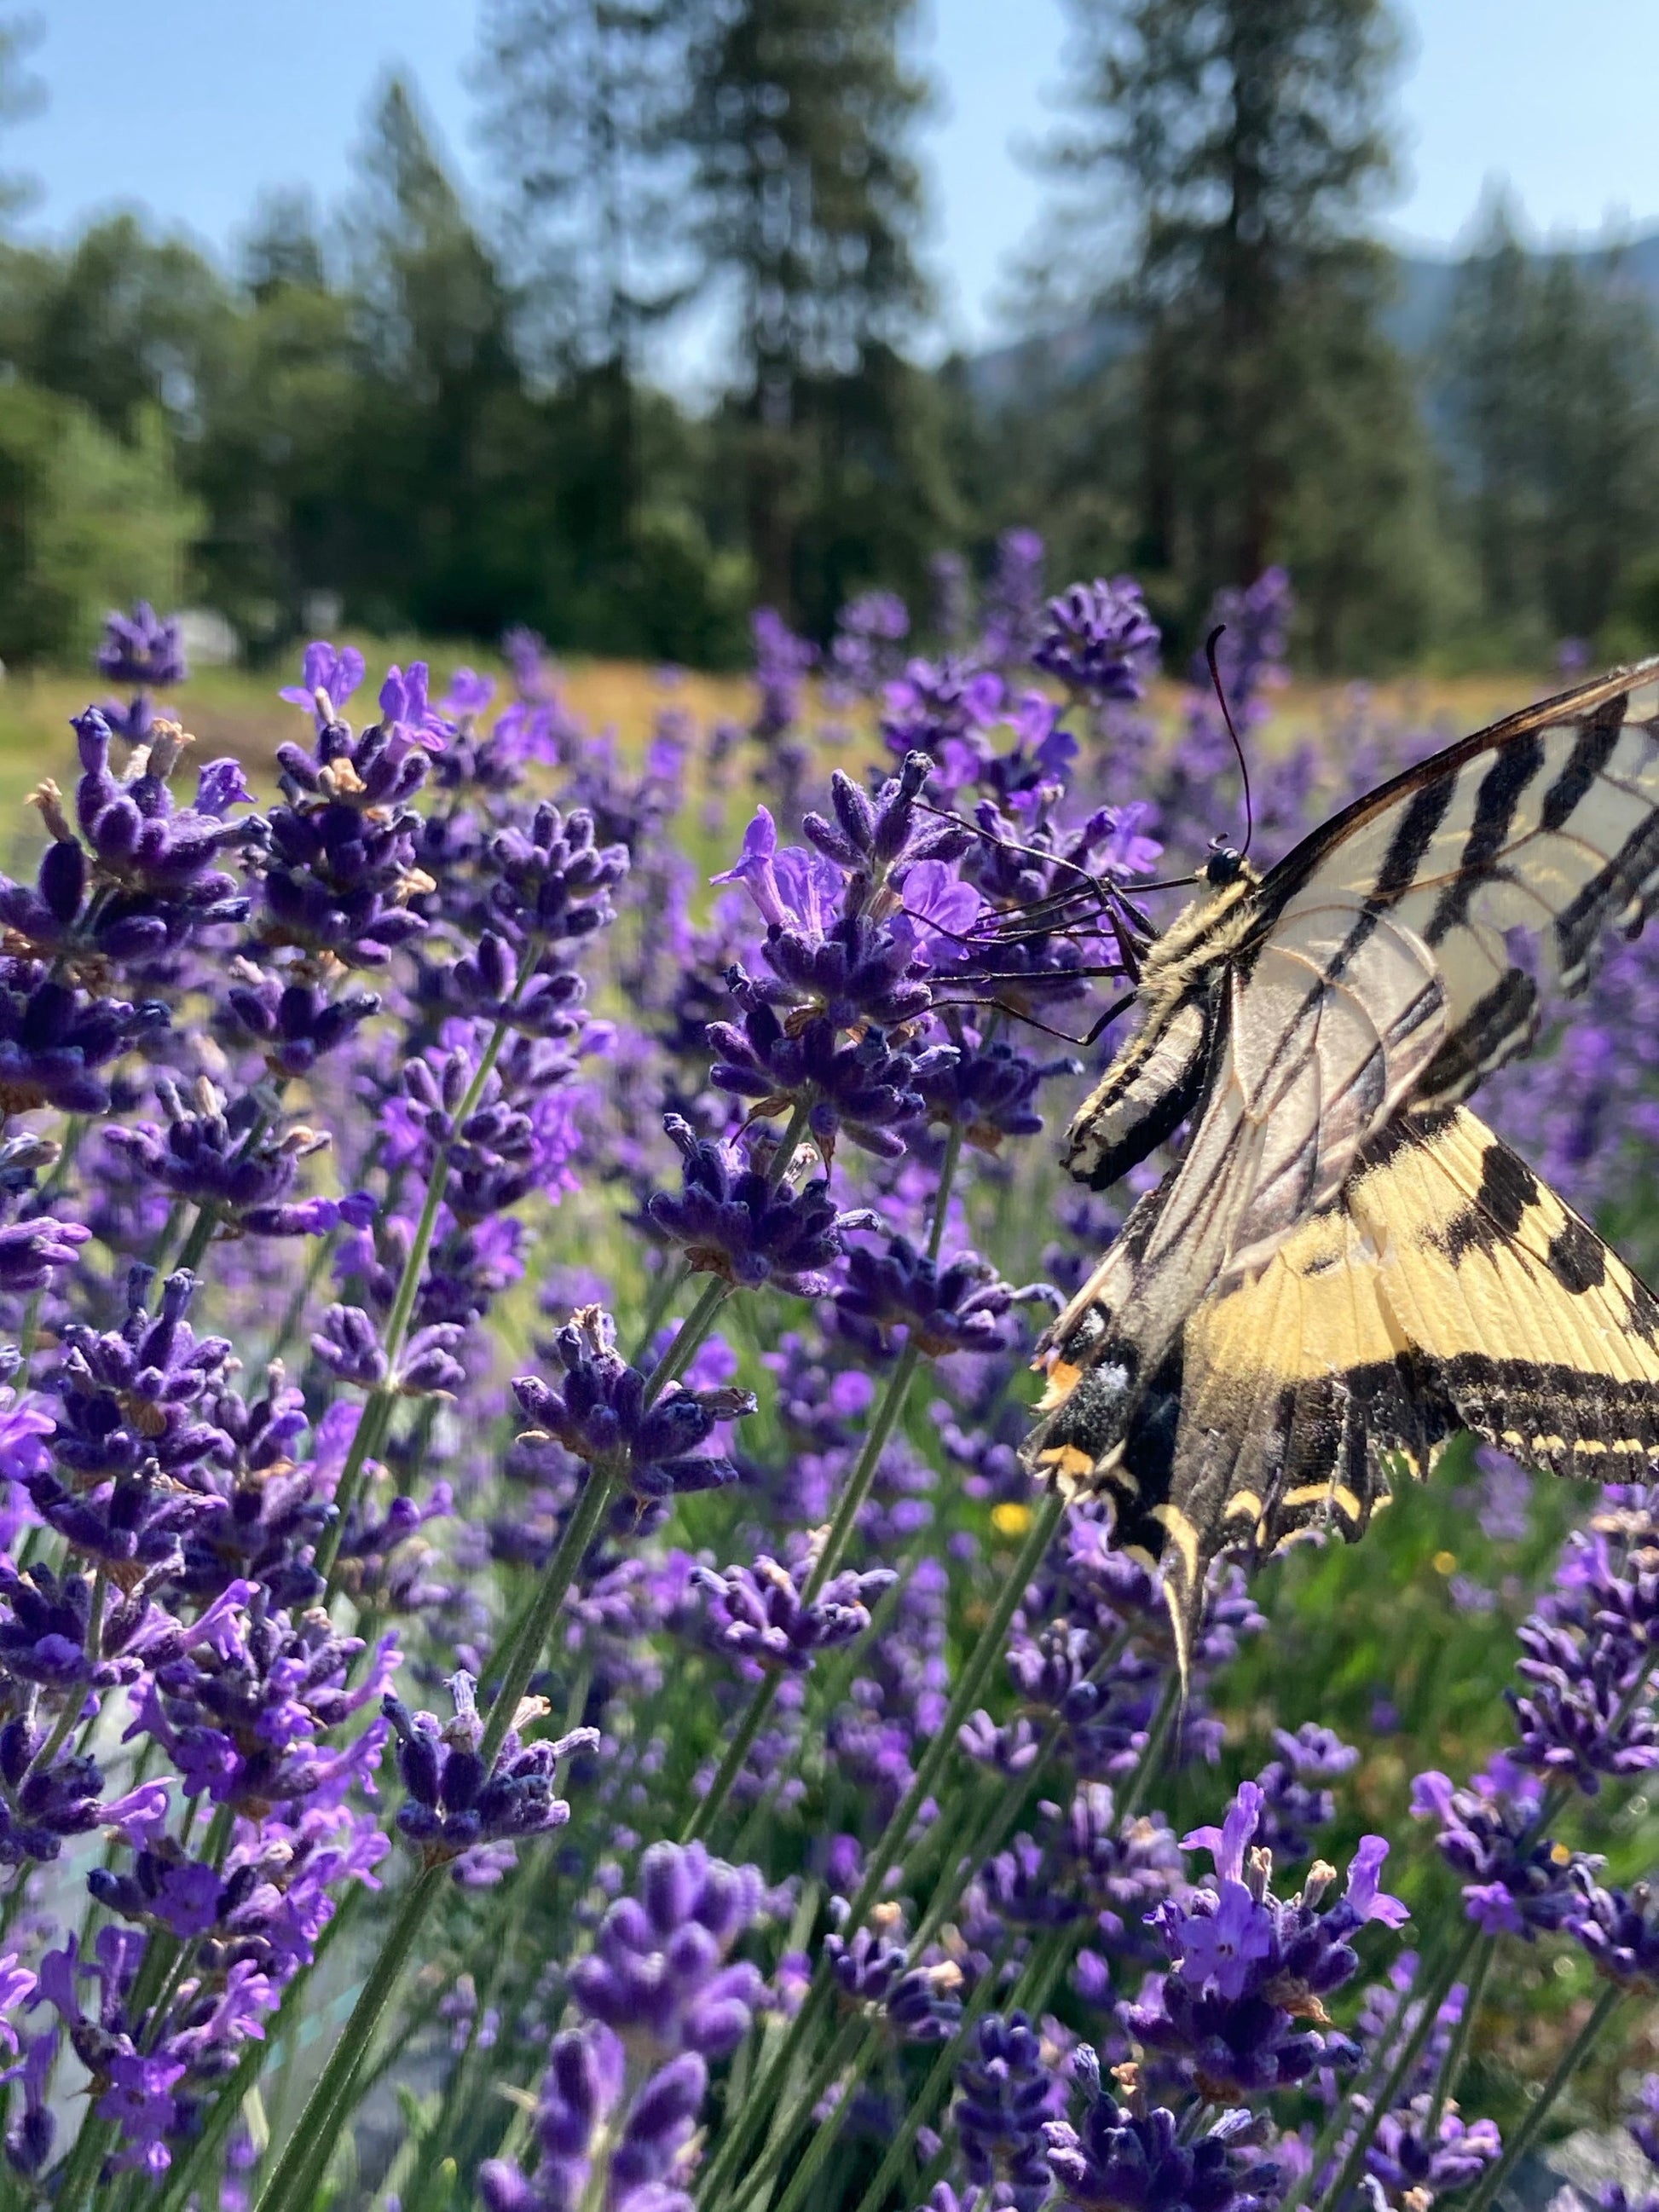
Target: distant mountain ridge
{"x":1414,"y":321}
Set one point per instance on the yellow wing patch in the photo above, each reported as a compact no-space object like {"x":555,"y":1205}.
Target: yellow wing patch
{"x":1446,"y":1289}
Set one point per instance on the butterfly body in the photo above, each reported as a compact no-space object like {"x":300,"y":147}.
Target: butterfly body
{"x":1345,"y":1268}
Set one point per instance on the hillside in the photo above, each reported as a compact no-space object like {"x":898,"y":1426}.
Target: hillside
{"x":1415,"y":319}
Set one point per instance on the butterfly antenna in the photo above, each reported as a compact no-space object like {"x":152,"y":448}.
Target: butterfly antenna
{"x":1087,"y":884}
{"x":1226,"y":716}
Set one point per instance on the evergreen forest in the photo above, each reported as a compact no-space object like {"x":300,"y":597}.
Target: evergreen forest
{"x":409,"y":412}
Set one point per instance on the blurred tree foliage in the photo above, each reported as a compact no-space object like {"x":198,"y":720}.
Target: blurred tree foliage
{"x":808,"y":202}
{"x":1549,"y":378}
{"x":433,"y":416}
{"x":1213,"y":187}
{"x":87,"y":521}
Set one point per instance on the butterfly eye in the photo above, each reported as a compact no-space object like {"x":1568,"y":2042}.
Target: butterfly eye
{"x":1223,"y":867}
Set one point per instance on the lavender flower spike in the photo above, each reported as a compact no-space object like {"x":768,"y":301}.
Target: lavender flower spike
{"x":758,"y":1613}
{"x":597,"y":1409}
{"x":456,"y":1803}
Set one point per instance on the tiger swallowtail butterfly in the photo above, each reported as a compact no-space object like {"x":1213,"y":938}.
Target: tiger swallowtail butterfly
{"x":1345,"y":1268}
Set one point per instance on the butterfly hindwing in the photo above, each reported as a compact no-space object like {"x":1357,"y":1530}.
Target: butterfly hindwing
{"x":1446,"y":1289}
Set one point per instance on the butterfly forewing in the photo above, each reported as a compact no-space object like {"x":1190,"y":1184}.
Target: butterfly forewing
{"x":1510,"y":857}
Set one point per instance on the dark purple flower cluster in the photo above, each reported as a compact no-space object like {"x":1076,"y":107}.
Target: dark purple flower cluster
{"x":733,"y":1219}
{"x":1518,"y":1881}
{"x":1249,"y":1971}
{"x":1006,"y":2095}
{"x":603,"y":1410}
{"x":457,"y":1801}
{"x":1127,"y":2158}
{"x":1099,"y":639}
{"x":1584,"y":1711}
{"x":873,"y":1972}
{"x":762,"y":1614}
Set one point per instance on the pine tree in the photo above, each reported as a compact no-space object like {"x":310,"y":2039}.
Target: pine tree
{"x":1550,"y":389}
{"x":441,"y":389}
{"x":1224,"y":160}
{"x":809,"y":204}
{"x":21,"y":97}
{"x":587,"y":99}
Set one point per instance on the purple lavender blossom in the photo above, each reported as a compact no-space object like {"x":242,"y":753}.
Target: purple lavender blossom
{"x":956,"y":1306}
{"x":1519,"y":1881}
{"x":455,"y":1803}
{"x":1249,"y":1969}
{"x":731,"y":1220}
{"x":141,"y":648}
{"x":1408,"y":2165}
{"x":1013,"y":615}
{"x":581,"y":2116}
{"x":863,"y":1089}
{"x":1125,"y":2160}
{"x":598,"y":1410}
{"x":782,"y":663}
{"x":873,"y":1970}
{"x":1005,"y":2097}
{"x":1619,"y":1930}
{"x":660,"y":1974}
{"x":759,"y":1613}
{"x":1099,"y":639}
{"x":328,"y":679}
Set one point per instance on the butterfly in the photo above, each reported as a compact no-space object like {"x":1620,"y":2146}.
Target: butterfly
{"x":1345,"y":1268}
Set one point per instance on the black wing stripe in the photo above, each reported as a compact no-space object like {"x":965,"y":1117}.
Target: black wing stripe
{"x":1501,"y":789}
{"x":1412,"y":839}
{"x":1501,"y":1025}
{"x":1585,"y":763}
{"x":1627,"y":884}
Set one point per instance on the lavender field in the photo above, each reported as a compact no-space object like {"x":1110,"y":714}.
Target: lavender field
{"x":532,"y":1675}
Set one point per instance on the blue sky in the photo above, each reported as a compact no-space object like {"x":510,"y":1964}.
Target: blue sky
{"x":192,"y":106}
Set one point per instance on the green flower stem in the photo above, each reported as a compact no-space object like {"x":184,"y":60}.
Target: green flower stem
{"x":1433,"y":1997}
{"x":709,"y":1808}
{"x":688,"y":1337}
{"x":194,"y":1249}
{"x":372,"y":1425}
{"x":857,"y":1491}
{"x":933,"y":2090}
{"x":807,"y":2172}
{"x":987,"y":1650}
{"x":326,"y":2108}
{"x":947,"y":1176}
{"x":1539,"y":2111}
{"x":1452,"y":2066}
{"x":855,"y":2031}
{"x":521,"y":1657}
{"x":1043,"y":1968}
{"x":187,"y":2176}
{"x":1152,"y":1753}
{"x":85,"y":2163}
{"x":377,"y":1411}
{"x":669,"y":1285}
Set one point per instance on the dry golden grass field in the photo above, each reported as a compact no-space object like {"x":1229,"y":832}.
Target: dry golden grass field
{"x":231,"y":710}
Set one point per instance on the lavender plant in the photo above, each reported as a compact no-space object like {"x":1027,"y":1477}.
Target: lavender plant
{"x":530,"y":1672}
